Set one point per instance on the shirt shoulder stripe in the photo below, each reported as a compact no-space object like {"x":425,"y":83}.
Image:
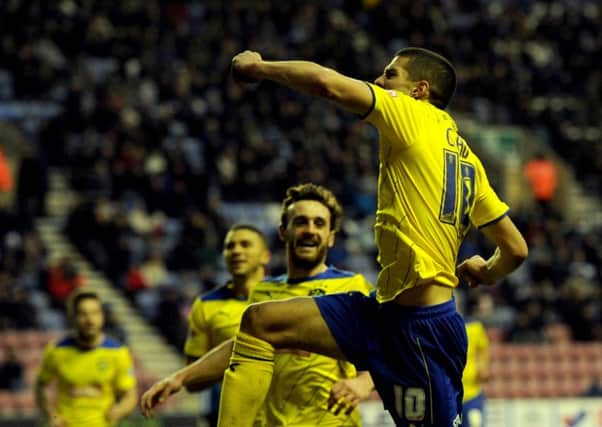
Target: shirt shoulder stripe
{"x":219,"y":294}
{"x":68,"y":341}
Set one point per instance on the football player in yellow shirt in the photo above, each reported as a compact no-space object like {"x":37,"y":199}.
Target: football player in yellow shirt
{"x":215,"y":315}
{"x":475,"y":374}
{"x":431,"y":189}
{"x":94,"y":374}
{"x":307,"y":389}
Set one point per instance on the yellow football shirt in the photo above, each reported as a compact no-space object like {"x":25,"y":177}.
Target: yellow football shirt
{"x":214,"y":318}
{"x":88,"y":379}
{"x":302,"y":381}
{"x":431,"y":188}
{"x":477,"y":343}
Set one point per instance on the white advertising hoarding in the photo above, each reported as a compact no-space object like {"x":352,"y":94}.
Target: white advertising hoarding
{"x":515,"y":413}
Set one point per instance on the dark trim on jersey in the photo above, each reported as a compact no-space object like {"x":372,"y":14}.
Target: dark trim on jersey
{"x":363,"y":116}
{"x":70,"y":341}
{"x":110,"y":343}
{"x":222,"y":293}
{"x":495,"y":220}
{"x":246,"y":356}
{"x":329,"y":273}
{"x":67,"y":342}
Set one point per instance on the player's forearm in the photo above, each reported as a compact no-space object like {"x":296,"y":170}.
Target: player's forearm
{"x":304,"y":76}
{"x":42,"y":401}
{"x":125,"y":405}
{"x":502,"y":263}
{"x":207,"y":370}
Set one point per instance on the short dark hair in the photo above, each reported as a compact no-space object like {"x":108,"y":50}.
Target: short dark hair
{"x":427,"y":65}
{"x":76,"y":297}
{"x":252,"y":228}
{"x":310,"y":191}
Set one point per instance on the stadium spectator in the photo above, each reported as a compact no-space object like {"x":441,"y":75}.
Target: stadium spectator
{"x":16,"y":311}
{"x":63,"y":278}
{"x":94,"y":375}
{"x":12,"y":372}
{"x":542,"y":175}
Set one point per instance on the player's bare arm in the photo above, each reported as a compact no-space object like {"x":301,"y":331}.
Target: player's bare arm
{"x":126,"y":404}
{"x":197,"y":376}
{"x":509,"y":254}
{"x":44,"y":405}
{"x":307,"y":77}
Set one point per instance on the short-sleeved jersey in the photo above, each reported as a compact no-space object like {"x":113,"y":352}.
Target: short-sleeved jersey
{"x":88,"y":379}
{"x":477,"y":342}
{"x":302,"y":381}
{"x":214,"y":318}
{"x":431,"y":188}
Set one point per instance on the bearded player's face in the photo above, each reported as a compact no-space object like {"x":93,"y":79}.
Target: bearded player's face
{"x":88,"y":319}
{"x":308,"y":233}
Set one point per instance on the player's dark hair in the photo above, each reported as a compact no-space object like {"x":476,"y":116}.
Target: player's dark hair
{"x":315,"y":192}
{"x":252,"y":228}
{"x":424,"y":64}
{"x":77,"y":297}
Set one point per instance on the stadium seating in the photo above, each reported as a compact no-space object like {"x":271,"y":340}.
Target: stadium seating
{"x":561,"y":369}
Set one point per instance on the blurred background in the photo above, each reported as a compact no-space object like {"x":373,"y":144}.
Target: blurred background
{"x":126,"y":152}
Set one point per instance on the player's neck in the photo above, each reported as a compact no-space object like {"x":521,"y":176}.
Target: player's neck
{"x":241,"y":286}
{"x":299,"y":272}
{"x":89,"y":343}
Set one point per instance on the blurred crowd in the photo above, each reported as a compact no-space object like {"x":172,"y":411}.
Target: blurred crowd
{"x":157,"y":139}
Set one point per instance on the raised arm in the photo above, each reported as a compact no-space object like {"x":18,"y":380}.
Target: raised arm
{"x":199,"y":375}
{"x":307,"y":77}
{"x":509,"y":254}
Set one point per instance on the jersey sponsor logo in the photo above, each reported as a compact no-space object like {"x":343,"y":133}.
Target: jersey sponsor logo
{"x":393,"y":93}
{"x":317,"y":292}
{"x":91,"y":390}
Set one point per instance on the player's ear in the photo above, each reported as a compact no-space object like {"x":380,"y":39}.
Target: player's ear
{"x":422,"y":90}
{"x":266,"y":256}
{"x":282,"y":232}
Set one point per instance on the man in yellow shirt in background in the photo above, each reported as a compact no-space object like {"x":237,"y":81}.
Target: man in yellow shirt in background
{"x":215,"y":315}
{"x":94,"y":374}
{"x":307,"y":389}
{"x":475,"y":374}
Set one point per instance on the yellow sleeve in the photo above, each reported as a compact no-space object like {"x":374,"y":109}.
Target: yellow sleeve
{"x":361,"y":284}
{"x":198,"y":340}
{"x":394,"y":116}
{"x":488,"y":207}
{"x":125,"y":376}
{"x":47,"y":371}
{"x":482,"y":340}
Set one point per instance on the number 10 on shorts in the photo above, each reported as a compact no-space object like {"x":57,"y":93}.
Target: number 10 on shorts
{"x":410,"y":403}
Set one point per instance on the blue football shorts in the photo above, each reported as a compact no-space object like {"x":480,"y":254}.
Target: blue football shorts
{"x":415,"y":355}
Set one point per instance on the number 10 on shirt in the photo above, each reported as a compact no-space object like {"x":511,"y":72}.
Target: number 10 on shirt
{"x":456,"y":181}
